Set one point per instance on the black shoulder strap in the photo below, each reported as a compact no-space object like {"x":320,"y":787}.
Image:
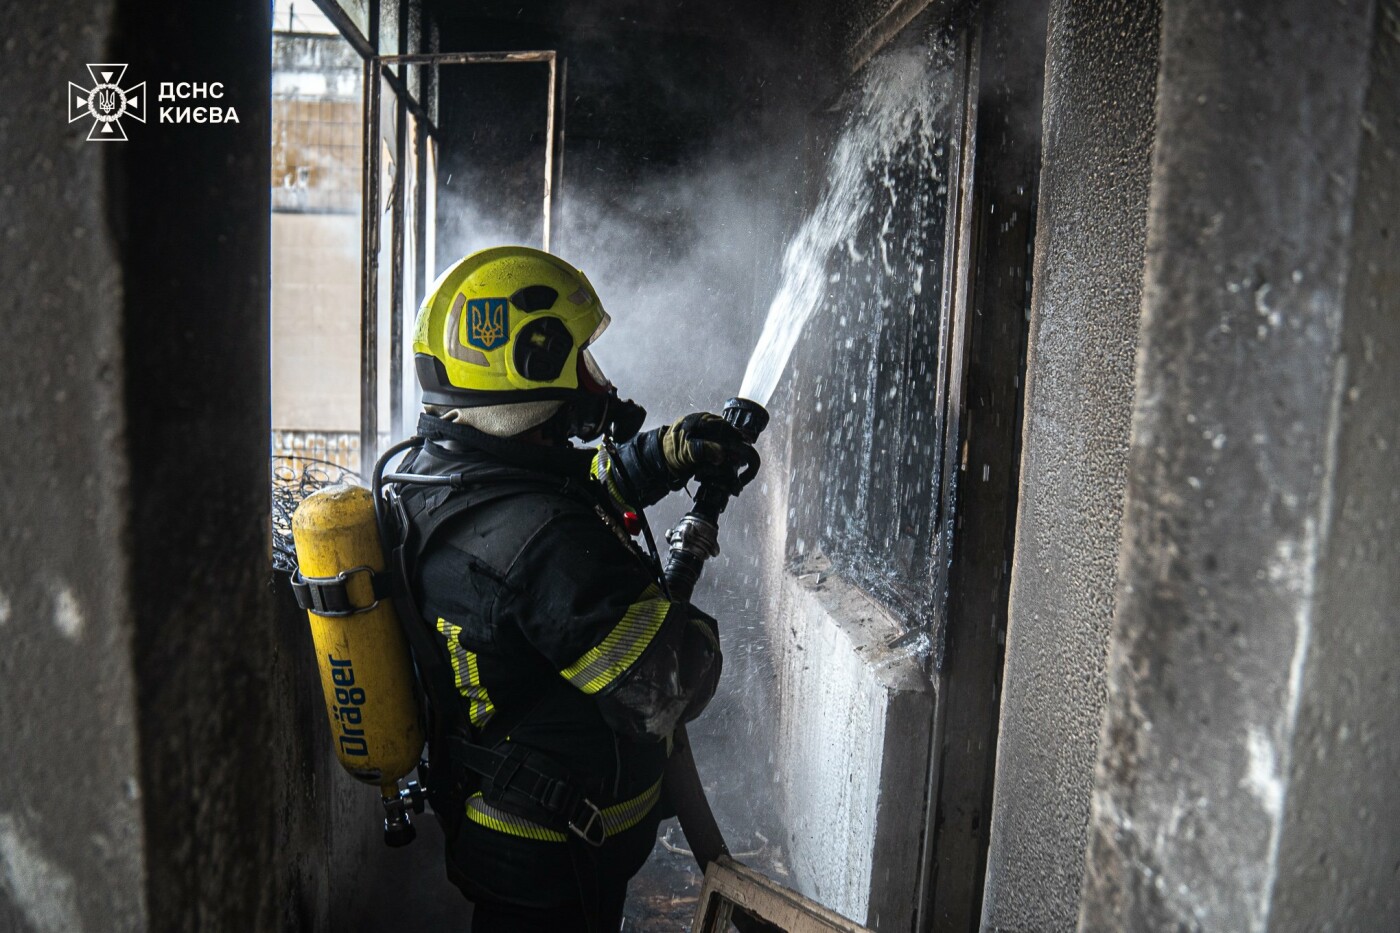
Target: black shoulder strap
{"x":443,"y":504}
{"x":419,"y":514}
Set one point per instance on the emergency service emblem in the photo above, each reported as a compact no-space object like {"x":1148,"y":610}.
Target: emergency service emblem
{"x":106,"y":103}
{"x":486,"y":322}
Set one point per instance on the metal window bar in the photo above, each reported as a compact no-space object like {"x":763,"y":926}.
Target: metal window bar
{"x":729,"y":885}
{"x":350,"y":31}
{"x":369,"y":269}
{"x":396,"y":327}
{"x":375,"y":74}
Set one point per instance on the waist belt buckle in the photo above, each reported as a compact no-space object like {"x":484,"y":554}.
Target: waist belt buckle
{"x":593,"y":831}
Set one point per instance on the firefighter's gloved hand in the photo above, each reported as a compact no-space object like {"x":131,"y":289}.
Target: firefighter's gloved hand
{"x":710,"y":449}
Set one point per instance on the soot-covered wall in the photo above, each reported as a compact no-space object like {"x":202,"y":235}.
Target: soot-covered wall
{"x":1248,"y":702}
{"x":71,"y":845}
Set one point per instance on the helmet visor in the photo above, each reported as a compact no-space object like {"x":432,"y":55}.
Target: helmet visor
{"x":590,"y":375}
{"x":598,"y":331}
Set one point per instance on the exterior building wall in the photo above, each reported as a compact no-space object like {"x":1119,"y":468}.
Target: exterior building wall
{"x":315,"y":321}
{"x":317,"y":130}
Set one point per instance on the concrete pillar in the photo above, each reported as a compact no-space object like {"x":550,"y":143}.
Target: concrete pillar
{"x":1090,"y":240}
{"x":1339,"y":851}
{"x":71,"y":849}
{"x":1340,"y":845}
{"x":1247,"y":765}
{"x":164,"y":736}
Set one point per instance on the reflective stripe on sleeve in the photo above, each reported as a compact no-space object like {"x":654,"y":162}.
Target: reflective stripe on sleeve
{"x":616,"y":819}
{"x":466,"y":672}
{"x":604,"y":663}
{"x":601,"y":470}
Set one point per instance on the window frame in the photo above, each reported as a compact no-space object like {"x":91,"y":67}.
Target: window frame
{"x":917,"y":607}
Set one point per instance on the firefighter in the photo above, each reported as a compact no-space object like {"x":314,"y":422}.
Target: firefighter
{"x":569,"y":666}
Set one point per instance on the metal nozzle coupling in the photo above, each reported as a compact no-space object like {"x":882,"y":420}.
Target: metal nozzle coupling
{"x":750,"y":418}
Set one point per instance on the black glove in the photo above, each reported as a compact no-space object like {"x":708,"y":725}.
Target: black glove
{"x":710,"y":449}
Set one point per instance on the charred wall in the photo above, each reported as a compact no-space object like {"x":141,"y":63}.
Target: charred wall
{"x":72,"y":851}
{"x":1341,"y":869}
{"x":1220,"y":549}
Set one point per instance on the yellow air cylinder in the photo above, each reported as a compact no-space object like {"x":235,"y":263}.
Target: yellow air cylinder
{"x":366,"y":674}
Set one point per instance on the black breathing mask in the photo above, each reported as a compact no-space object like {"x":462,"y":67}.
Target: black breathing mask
{"x":595,"y":414}
{"x":598,"y":410}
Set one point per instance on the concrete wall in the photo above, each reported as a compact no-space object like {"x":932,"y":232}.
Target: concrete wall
{"x":1090,"y":240}
{"x":158,"y":708}
{"x":852,"y":723}
{"x":1340,"y":844}
{"x":855,"y":718}
{"x":1249,"y":751}
{"x":71,"y":846}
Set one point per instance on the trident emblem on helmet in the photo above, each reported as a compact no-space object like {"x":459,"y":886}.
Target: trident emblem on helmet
{"x":486,"y":322}
{"x":106,"y":103}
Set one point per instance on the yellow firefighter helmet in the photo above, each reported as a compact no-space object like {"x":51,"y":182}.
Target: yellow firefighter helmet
{"x":508,"y":324}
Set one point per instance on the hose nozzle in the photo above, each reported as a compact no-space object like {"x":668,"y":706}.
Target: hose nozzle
{"x":748,"y":417}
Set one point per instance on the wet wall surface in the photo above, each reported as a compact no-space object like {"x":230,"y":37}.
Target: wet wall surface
{"x":1251,"y":707}
{"x":1090,"y":239}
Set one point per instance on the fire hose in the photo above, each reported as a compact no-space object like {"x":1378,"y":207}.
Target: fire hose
{"x":693,"y":541}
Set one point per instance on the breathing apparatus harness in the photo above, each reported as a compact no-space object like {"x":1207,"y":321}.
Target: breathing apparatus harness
{"x":514,"y":779}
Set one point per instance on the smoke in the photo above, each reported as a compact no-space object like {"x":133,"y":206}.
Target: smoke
{"x":685,"y":262}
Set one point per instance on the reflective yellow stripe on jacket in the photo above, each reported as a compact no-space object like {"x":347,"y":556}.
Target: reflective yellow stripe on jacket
{"x":467,"y":674}
{"x":601,"y":470}
{"x":616,"y":819}
{"x":610,"y":659}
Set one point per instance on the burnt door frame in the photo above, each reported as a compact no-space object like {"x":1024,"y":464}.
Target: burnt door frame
{"x":982,"y":448}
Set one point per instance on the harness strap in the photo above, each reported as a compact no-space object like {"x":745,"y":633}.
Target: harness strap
{"x":330,"y":596}
{"x":528,"y":794}
{"x":526,"y":789}
{"x":615,"y":820}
